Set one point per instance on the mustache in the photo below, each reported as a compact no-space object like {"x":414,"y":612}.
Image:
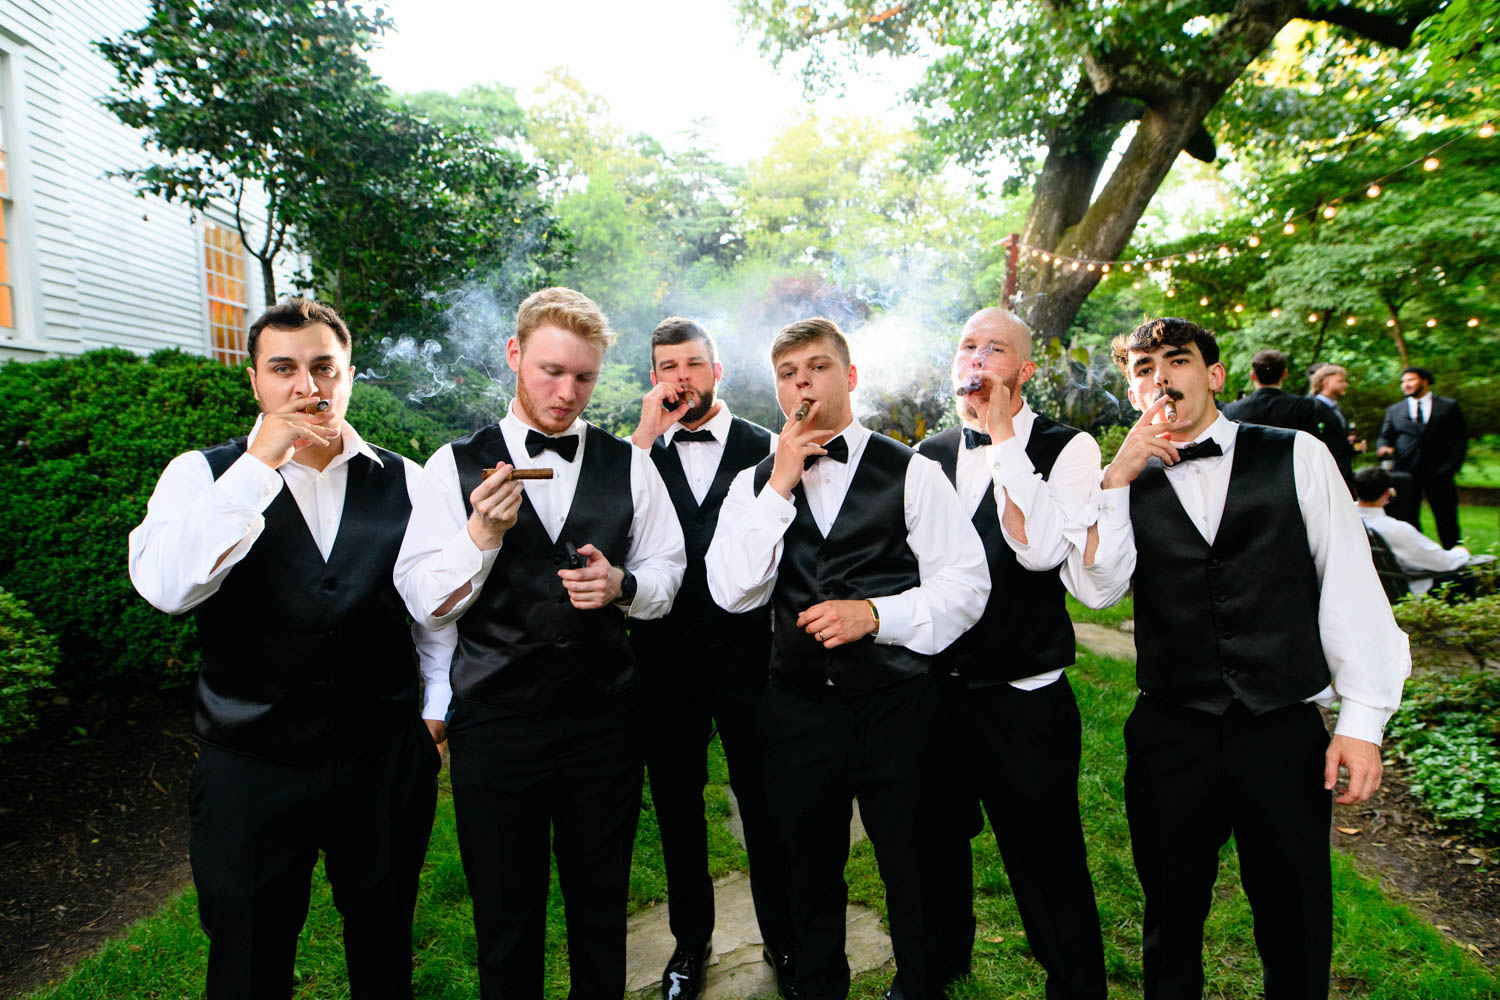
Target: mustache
{"x":1175,"y":395}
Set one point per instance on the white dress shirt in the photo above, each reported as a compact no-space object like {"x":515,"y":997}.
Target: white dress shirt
{"x":1058,"y":510}
{"x":1422,"y":403}
{"x":955,"y":579}
{"x":1367,"y":653}
{"x":192,"y":519}
{"x":1413,"y":550}
{"x":438,"y":557}
{"x":700,"y":459}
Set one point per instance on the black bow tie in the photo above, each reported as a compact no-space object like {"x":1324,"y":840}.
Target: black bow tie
{"x":838,"y":450}
{"x":566,"y":446}
{"x":1203,"y":449}
{"x":693,"y":436}
{"x":975,"y":439}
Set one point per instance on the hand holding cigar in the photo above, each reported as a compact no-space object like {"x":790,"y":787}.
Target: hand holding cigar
{"x":496,"y":504}
{"x":795,"y":445}
{"x":515,"y":474}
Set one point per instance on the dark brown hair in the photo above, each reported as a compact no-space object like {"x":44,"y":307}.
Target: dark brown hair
{"x":679,"y":330}
{"x":1172,"y":331}
{"x":294,"y":314}
{"x":1269,"y":366}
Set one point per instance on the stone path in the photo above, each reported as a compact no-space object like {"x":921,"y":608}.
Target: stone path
{"x":736,"y":971}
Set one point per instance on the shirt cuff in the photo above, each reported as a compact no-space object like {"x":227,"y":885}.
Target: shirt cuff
{"x":1113,"y":506}
{"x":435,"y":700}
{"x":772,"y":512}
{"x":1008,"y":459}
{"x":1361,"y":722}
{"x":895,"y":621}
{"x":249,"y":484}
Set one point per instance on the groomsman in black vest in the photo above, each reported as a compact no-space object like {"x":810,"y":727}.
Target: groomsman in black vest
{"x":1013,"y":732}
{"x":702,"y":667}
{"x":545,"y":735}
{"x":871,"y":568}
{"x":309,"y":704}
{"x":1255,"y":601}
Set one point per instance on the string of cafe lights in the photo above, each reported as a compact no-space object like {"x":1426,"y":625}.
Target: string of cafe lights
{"x":1163,"y":263}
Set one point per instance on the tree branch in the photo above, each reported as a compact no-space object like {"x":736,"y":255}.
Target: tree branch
{"x":810,"y":33}
{"x":1386,"y":29}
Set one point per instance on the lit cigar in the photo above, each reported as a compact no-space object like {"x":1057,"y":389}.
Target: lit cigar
{"x":802,"y":409}
{"x":318,"y":407}
{"x":520,"y":474}
{"x":1170,"y":410}
{"x":971,"y":384}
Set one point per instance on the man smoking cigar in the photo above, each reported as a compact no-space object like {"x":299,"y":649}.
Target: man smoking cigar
{"x":703,"y":668}
{"x":1255,"y":601}
{"x":545,"y":733}
{"x":1012,"y":733}
{"x":309,"y":703}
{"x":871,"y":567}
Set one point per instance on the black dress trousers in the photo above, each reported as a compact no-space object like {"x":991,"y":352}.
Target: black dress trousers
{"x":257,"y":827}
{"x":822,"y":751}
{"x":1018,"y":753}
{"x":686,"y":692}
{"x":524,"y":789}
{"x":1193,"y":778}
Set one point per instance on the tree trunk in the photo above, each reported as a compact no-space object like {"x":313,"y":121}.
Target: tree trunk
{"x":268,"y":279}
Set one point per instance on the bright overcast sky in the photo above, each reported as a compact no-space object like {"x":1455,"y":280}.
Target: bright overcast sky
{"x":659,"y":63}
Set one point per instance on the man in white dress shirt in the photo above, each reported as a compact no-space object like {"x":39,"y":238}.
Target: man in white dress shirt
{"x":1255,"y":601}
{"x":308,"y":704}
{"x":1414,"y":551}
{"x":1013,"y":732}
{"x":871,"y":567}
{"x":545,"y":735}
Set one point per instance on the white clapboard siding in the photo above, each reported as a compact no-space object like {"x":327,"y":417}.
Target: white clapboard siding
{"x":92,"y":265}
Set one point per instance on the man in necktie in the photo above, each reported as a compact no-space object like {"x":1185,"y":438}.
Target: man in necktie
{"x":871,"y":568}
{"x":545,"y":733}
{"x":1329,"y":382}
{"x":1255,"y":601}
{"x":1013,"y":734}
{"x":703,"y":668}
{"x":1428,"y":439}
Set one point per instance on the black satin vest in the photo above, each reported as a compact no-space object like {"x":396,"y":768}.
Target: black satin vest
{"x":522,"y":646}
{"x":1025,"y":629}
{"x":297,"y":652}
{"x":865,"y":555}
{"x":1238,"y":618}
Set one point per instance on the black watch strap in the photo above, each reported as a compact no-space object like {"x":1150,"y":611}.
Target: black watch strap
{"x":627,"y":588}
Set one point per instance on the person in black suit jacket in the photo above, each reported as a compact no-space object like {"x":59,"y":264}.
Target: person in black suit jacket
{"x":1269,"y":406}
{"x":1329,"y":382}
{"x":702,"y":667}
{"x":1428,"y":438}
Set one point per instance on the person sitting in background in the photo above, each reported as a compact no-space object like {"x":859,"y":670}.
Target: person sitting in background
{"x":1414,"y":551}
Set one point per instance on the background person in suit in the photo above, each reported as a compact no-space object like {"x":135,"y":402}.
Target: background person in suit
{"x":1013,"y":732}
{"x":1270,"y":406}
{"x":701,"y":666}
{"x":1329,"y":382}
{"x":1428,"y":439}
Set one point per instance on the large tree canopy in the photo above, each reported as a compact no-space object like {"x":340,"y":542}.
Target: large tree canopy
{"x":1067,"y":78}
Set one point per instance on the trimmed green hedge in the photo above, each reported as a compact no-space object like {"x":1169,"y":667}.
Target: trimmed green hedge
{"x":28,"y":657}
{"x":82,"y":442}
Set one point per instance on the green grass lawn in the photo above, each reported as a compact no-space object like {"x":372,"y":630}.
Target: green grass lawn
{"x":1480,"y":527}
{"x":1382,"y":949}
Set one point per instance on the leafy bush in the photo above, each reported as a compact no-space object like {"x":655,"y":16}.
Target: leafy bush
{"x":1466,"y":632}
{"x":82,"y":442}
{"x":1448,"y":734}
{"x":27,"y":658}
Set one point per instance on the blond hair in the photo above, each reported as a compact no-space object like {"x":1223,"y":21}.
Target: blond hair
{"x":1325,"y":370}
{"x":565,"y":308}
{"x":806,"y":331}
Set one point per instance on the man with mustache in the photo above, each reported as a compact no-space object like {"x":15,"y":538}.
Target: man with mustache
{"x":871,"y":568}
{"x":545,"y":733}
{"x":1255,"y":601}
{"x":703,"y":668}
{"x":1013,"y":731}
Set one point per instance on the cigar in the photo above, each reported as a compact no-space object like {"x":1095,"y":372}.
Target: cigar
{"x":520,"y":474}
{"x":972,"y":384}
{"x":1170,"y":410}
{"x":802,"y":409}
{"x":318,"y":407}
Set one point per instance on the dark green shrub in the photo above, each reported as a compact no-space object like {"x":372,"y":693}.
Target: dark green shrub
{"x":1448,"y":735}
{"x":82,"y":442}
{"x":27,"y":658}
{"x":1466,"y":632}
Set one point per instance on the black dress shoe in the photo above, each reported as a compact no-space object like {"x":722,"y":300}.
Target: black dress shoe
{"x":781,"y":964}
{"x":683,"y":977}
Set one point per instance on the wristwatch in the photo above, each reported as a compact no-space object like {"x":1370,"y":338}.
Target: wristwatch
{"x":627,"y":588}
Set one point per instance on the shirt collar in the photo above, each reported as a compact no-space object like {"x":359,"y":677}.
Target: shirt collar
{"x":717,"y":425}
{"x":854,"y":434}
{"x":513,"y":422}
{"x":1222,"y":430}
{"x":353,"y":444}
{"x":1327,"y":400}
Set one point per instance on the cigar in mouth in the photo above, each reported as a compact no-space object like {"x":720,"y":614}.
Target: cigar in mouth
{"x":520,"y":474}
{"x":1170,"y":410}
{"x":320,"y":406}
{"x":802,"y":409}
{"x":971,"y":384}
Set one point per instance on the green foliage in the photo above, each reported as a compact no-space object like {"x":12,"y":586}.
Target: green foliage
{"x":1466,"y":630}
{"x":82,"y":442}
{"x":28,"y":656}
{"x":1110,"y":440}
{"x":1448,"y":733}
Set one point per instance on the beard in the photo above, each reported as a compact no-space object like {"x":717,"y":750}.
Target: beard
{"x":700,"y":409}
{"x":538,"y":416}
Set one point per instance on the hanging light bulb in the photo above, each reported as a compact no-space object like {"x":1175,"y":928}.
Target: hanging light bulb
{"x":1254,"y":241}
{"x":1239,"y":308}
{"x":1223,"y":251}
{"x":1373,"y":191}
{"x":1171,"y":293}
{"x":1473,"y":321}
{"x":1390,"y":322}
{"x":1126,"y":267}
{"x":1105,"y":268}
{"x":1075,"y":265}
{"x":1289,"y":228}
{"x":1431,"y":323}
{"x":1312,"y":317}
{"x":1091,"y":265}
{"x":1330,"y":212}
{"x":1147,"y":265}
{"x":1349,"y":321}
{"x":1486,"y":130}
{"x":1192,"y":258}
{"x":1203,"y":301}
{"x":1275,"y":313}
{"x":1430,"y":164}
{"x":1046,"y":257}
{"x":1136,"y":285}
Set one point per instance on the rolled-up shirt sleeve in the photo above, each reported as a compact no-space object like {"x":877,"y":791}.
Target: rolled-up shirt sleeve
{"x":1057,"y":510}
{"x":1367,"y":653}
{"x":656,"y":555}
{"x":746,"y":549}
{"x":198,"y":528}
{"x":1107,"y":578}
{"x":437,"y":555}
{"x":955,"y":576}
